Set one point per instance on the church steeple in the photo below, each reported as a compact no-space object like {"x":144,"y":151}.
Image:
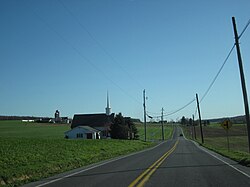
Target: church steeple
{"x":108,"y":109}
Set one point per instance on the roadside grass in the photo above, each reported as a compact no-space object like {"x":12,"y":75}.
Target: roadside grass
{"x":32,"y":151}
{"x":25,"y":160}
{"x":215,"y":138}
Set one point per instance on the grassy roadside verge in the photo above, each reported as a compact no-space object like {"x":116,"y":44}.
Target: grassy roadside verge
{"x":25,"y":160}
{"x":31,"y":151}
{"x":215,"y":140}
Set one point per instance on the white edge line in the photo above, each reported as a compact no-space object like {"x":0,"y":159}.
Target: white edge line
{"x":203,"y":149}
{"x":98,"y":165}
{"x":183,"y":134}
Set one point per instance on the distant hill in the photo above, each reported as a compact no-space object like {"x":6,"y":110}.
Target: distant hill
{"x":235,"y":119}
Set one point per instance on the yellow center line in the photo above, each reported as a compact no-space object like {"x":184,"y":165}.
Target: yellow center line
{"x":144,"y":177}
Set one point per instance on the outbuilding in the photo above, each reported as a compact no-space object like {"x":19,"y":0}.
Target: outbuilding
{"x":83,"y":132}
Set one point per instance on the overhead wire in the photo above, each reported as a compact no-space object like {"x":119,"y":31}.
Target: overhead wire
{"x":226,"y":59}
{"x":218,"y":73}
{"x":245,"y":28}
{"x":98,"y":43}
{"x":185,"y":106}
{"x":83,"y":56}
{"x":209,"y":88}
{"x":113,"y":59}
{"x":174,"y":112}
{"x":215,"y":78}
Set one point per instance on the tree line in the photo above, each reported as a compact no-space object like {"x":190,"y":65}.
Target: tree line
{"x":190,"y":122}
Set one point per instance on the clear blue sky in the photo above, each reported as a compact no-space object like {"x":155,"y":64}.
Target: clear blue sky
{"x":66,"y":54}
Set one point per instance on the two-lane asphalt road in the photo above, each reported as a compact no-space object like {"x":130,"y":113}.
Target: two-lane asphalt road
{"x":177,"y":162}
{"x":191,"y":166}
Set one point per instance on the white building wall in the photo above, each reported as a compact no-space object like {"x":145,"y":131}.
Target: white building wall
{"x":72,"y":134}
{"x":79,"y":133}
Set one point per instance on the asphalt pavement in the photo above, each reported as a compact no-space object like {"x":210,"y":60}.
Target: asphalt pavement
{"x":176,"y":162}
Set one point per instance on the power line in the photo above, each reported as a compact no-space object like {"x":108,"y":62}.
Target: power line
{"x":189,"y":103}
{"x":216,"y":76}
{"x":84,"y":57}
{"x":218,"y":73}
{"x":99,"y":43}
{"x":245,"y":28}
{"x":210,"y":86}
{"x":171,"y":113}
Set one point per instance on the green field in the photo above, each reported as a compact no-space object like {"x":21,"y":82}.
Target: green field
{"x":154,"y":131}
{"x":18,"y":129}
{"x":31,"y":151}
{"x":215,"y":138}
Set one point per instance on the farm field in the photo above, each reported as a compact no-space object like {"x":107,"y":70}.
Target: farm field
{"x":215,"y":138}
{"x":154,"y":131}
{"x":31,"y":151}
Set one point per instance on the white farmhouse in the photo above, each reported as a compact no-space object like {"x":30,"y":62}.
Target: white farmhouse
{"x":83,"y":132}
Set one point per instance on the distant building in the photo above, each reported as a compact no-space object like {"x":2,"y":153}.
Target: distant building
{"x":101,"y":122}
{"x":28,"y":120}
{"x":82,"y":132}
{"x":44,"y":120}
{"x":57,"y":117}
{"x":65,"y":120}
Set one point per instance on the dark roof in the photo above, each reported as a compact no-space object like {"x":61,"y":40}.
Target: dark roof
{"x":92,"y":120}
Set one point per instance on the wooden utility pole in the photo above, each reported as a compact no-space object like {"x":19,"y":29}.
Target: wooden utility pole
{"x":162,"y":129}
{"x":198,"y":106}
{"x":194,"y":128}
{"x":243,"y":84}
{"x":144,"y":107}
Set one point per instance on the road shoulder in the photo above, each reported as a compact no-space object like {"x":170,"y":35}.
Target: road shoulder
{"x":231,"y":163}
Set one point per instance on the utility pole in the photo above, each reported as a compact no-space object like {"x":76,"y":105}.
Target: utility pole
{"x":243,"y":84}
{"x":144,"y":107}
{"x":162,"y":129}
{"x":191,"y":127}
{"x":194,"y":128}
{"x":198,"y":106}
